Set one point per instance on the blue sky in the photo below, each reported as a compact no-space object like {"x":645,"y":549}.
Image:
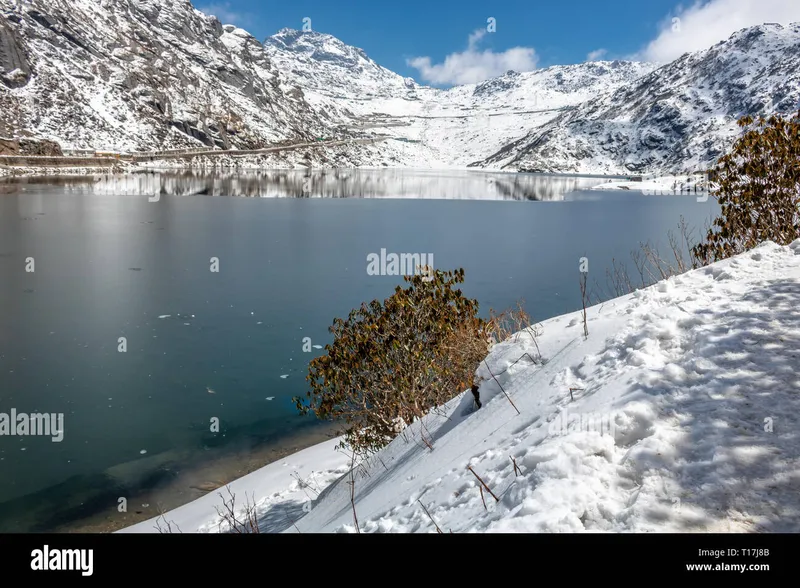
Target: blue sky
{"x":446,"y":41}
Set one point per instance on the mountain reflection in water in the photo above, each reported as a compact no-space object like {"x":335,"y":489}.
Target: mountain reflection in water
{"x":334,"y":183}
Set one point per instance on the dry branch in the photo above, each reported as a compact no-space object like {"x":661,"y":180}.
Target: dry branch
{"x":438,"y":530}
{"x":489,"y":490}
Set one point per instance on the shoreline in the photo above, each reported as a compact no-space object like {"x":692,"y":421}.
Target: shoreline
{"x":199,"y":480}
{"x":12,"y":173}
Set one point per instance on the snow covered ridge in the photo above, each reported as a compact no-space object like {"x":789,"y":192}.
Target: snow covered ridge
{"x":321,"y":62}
{"x":679,"y":118}
{"x":138,"y":75}
{"x":444,"y":128}
{"x":122,"y":75}
{"x":678,"y":413}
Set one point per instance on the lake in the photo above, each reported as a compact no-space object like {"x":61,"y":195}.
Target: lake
{"x":145,"y":308}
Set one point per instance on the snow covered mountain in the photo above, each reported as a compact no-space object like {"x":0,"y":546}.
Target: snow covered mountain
{"x":616,"y":117}
{"x":150,"y":75}
{"x":473,"y":120}
{"x":323,"y":65}
{"x":434,"y":127}
{"x":679,"y":118}
{"x":553,"y":87}
{"x":140,"y":74}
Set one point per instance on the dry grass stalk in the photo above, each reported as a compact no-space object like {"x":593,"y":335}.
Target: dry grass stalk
{"x":489,"y":490}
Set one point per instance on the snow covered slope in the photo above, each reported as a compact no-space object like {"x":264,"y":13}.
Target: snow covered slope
{"x":140,"y":74}
{"x":441,"y":128}
{"x":682,"y":417}
{"x":677,"y":119}
{"x":147,"y":74}
{"x":500,"y":110}
{"x":335,"y":74}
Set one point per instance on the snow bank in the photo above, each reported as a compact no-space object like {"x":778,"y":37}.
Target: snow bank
{"x":682,"y":417}
{"x":686,"y":184}
{"x":282,"y":492}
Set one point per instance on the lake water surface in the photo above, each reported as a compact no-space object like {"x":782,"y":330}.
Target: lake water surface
{"x":132,"y":259}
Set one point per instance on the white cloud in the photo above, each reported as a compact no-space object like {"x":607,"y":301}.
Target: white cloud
{"x":707,"y":22}
{"x":596,"y":54}
{"x":224,"y":12}
{"x":473,"y":65}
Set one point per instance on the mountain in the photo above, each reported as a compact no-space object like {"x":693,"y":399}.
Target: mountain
{"x":498,"y":111}
{"x":141,"y":74}
{"x":679,"y":118}
{"x":153,"y":75}
{"x":434,"y":127}
{"x":553,"y":87}
{"x":323,"y":64}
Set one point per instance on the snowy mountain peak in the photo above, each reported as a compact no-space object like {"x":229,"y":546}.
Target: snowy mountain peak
{"x":321,"y":63}
{"x":563,"y":84}
{"x":148,"y":74}
{"x":320,"y":47}
{"x":502,"y":83}
{"x":679,"y":118}
{"x":139,"y":74}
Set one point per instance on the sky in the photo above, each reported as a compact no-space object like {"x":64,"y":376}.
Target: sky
{"x":450,"y":42}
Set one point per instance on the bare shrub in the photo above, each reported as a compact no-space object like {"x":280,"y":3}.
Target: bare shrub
{"x":513,"y":323}
{"x":243,"y":522}
{"x":650,"y":265}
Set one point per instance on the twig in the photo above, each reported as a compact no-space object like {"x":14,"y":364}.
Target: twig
{"x":482,"y":498}
{"x":583,"y":302}
{"x":517,"y":361}
{"x":501,"y":387}
{"x":286,"y":514}
{"x":250,"y":522}
{"x":425,"y":441}
{"x":423,"y":430}
{"x":353,"y":491}
{"x":438,"y":530}
{"x":571,"y":390}
{"x":489,"y":490}
{"x":168,"y":528}
{"x":382,"y":463}
{"x":516,"y":467}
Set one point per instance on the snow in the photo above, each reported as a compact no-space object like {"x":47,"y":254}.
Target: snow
{"x":659,"y":185}
{"x":431,"y":127}
{"x":682,"y":416}
{"x":603,"y":117}
{"x":28,"y":171}
{"x":281,"y":490}
{"x":679,"y":118}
